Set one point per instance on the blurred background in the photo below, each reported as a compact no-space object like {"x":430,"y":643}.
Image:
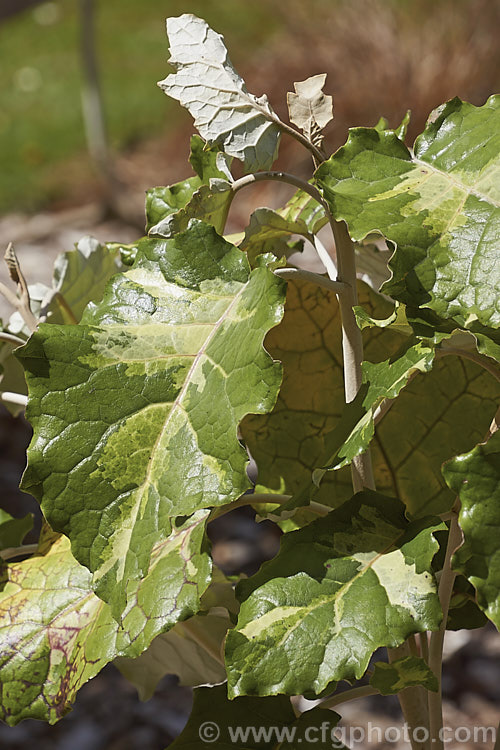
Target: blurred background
{"x":84,"y":130}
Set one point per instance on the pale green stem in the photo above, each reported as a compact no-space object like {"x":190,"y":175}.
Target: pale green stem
{"x":424,"y":646}
{"x":315,"y":278}
{"x":290,"y":179}
{"x":352,"y":342}
{"x":260,"y":498}
{"x":446,"y":582}
{"x":349,"y":695}
{"x":25,"y":549}
{"x":413,"y":701}
{"x":14,"y":398}
{"x":484,"y":362}
{"x":11,"y":339}
{"x":327,"y":260}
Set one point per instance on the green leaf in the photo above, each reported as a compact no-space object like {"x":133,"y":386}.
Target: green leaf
{"x":208,"y":161}
{"x":209,"y":204}
{"x":55,"y":633}
{"x":192,"y":650}
{"x":301,"y":215}
{"x":440,"y":206}
{"x":464,"y":612}
{"x":206,"y":83}
{"x":339,"y":589}
{"x":135,"y":411}
{"x":289,"y":443}
{"x":162,"y":202}
{"x":80,"y":276}
{"x":436,"y":416}
{"x":475,"y":477}
{"x":13,"y":530}
{"x":254,"y":724}
{"x":409,"y":671}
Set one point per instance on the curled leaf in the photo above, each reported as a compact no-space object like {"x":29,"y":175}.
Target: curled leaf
{"x":206,"y":83}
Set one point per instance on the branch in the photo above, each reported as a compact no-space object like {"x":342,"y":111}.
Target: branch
{"x":349,"y":695}
{"x":483,"y":362}
{"x":22,"y":301}
{"x":24,"y":549}
{"x":446,"y":582}
{"x":14,"y":398}
{"x":298,"y":273}
{"x":9,"y":337}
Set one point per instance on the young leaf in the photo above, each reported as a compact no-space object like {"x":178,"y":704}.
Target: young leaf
{"x":206,"y":83}
{"x":309,"y":108}
{"x":13,"y":530}
{"x":135,"y":410}
{"x":475,"y":477}
{"x":409,"y":671}
{"x":206,"y":203}
{"x":55,"y":633}
{"x":208,"y":162}
{"x":440,"y":206}
{"x":254,"y":724}
{"x":192,"y":650}
{"x":301,"y":215}
{"x":162,"y":202}
{"x":80,"y":276}
{"x":338,"y":589}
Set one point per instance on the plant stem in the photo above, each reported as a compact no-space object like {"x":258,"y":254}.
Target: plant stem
{"x":424,"y":646}
{"x":290,"y":179}
{"x":349,"y":695}
{"x":318,"y":155}
{"x":413,"y":701}
{"x":352,"y":342}
{"x":265,"y":498}
{"x":14,"y":398}
{"x":483,"y":362}
{"x":24,"y":549}
{"x":11,"y":339}
{"x":437,"y":638}
{"x":298,"y":273}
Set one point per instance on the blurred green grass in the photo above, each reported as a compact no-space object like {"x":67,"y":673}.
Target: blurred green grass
{"x":381,"y":56}
{"x":40,"y":114}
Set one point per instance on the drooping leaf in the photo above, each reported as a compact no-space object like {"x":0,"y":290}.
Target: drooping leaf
{"x":440,"y":206}
{"x":208,"y":161}
{"x":254,"y":724}
{"x":56,"y":634}
{"x":13,"y":530}
{"x":464,"y":611}
{"x":80,"y":276}
{"x":206,"y":83}
{"x":206,"y":203}
{"x":163,"y":202}
{"x":475,"y":477}
{"x":409,"y":671}
{"x":310,"y":108}
{"x":436,"y":416}
{"x":135,"y":410}
{"x":338,"y":589}
{"x":301,"y":215}
{"x":192,"y":650}
{"x":289,"y":443}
